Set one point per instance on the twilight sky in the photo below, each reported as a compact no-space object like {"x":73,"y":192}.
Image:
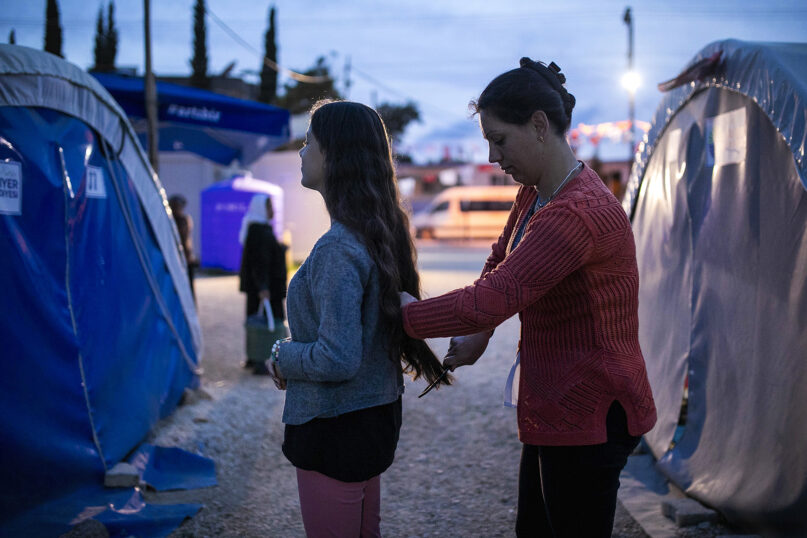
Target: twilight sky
{"x":438,"y":53}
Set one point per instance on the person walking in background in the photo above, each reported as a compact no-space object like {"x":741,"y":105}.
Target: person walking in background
{"x":566,"y":264}
{"x":342,"y":366}
{"x":263,"y":266}
{"x":184,"y":223}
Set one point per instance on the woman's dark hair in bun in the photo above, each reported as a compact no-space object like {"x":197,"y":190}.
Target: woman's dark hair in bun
{"x":514,"y":96}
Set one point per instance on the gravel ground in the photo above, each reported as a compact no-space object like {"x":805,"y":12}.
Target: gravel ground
{"x":455,"y":470}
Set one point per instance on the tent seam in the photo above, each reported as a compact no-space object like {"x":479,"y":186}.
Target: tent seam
{"x":84,"y":384}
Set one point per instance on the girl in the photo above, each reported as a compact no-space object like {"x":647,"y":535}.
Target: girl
{"x":342,"y":366}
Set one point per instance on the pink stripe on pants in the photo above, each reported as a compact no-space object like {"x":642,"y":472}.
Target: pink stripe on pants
{"x":339,"y":509}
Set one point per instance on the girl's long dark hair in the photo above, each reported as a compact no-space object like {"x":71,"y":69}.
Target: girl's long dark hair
{"x":361,"y":192}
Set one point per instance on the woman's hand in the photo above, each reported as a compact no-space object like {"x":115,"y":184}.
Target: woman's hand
{"x":465,"y":350}
{"x":406,"y":298}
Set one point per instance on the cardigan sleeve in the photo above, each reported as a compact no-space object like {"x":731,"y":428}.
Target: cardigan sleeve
{"x":338,"y":277}
{"x":556,"y":243}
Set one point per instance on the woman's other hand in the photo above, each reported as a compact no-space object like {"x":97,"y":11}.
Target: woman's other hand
{"x":465,"y":350}
{"x":406,"y":298}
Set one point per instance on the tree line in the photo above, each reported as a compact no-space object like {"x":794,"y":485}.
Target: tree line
{"x":297,"y":96}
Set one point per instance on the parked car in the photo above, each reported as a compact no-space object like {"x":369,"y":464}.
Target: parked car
{"x":466,"y":213}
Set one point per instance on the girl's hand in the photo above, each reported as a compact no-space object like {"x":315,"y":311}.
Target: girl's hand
{"x":277,"y":376}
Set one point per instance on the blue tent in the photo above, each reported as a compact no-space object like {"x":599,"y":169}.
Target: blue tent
{"x":99,"y":330}
{"x":217,"y":127}
{"x":718,"y":202}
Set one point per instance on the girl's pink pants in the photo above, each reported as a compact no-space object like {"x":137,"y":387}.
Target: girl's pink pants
{"x":339,"y":509}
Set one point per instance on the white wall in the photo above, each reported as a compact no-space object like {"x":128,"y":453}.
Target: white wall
{"x":304,"y":211}
{"x":188,"y":174}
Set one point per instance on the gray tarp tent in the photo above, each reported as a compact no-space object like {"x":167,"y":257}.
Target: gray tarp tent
{"x":718,"y":202}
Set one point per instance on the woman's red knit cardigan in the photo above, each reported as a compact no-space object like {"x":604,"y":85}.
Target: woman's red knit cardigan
{"x":574,"y":282}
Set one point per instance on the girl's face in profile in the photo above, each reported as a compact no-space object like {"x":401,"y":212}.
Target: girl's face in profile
{"x":313,"y":166}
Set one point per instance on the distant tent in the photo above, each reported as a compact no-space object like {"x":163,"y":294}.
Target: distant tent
{"x":217,"y":127}
{"x":98,"y":327}
{"x":224,"y":204}
{"x":718,"y":201}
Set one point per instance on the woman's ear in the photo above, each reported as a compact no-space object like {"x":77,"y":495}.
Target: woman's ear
{"x":541,"y":124}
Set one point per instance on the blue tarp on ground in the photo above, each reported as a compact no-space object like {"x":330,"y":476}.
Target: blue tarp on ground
{"x":217,"y":127}
{"x":124,"y":513}
{"x":718,"y":202}
{"x":98,"y":328}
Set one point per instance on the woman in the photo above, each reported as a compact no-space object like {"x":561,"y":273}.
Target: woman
{"x":184,"y":223}
{"x":566,"y":264}
{"x":263,"y":267}
{"x":342,"y":367}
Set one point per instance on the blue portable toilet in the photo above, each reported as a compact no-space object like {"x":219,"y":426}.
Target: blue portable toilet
{"x":224,"y":204}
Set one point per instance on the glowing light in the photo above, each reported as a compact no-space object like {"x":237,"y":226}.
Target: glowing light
{"x":631,"y":81}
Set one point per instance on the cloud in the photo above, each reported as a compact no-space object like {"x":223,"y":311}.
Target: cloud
{"x":458,"y":130}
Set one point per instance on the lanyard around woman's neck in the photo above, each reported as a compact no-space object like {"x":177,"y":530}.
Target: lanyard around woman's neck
{"x":540,"y":204}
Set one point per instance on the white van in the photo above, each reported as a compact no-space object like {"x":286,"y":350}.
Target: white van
{"x":466,"y":213}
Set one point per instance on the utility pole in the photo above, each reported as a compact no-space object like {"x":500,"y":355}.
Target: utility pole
{"x":150,"y":87}
{"x":628,"y":19}
{"x":347,"y":78}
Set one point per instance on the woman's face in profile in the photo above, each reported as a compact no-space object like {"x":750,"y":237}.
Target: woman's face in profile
{"x":512,"y":146}
{"x":313,"y":163}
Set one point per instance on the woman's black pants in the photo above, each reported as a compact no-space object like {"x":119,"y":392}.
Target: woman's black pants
{"x":570,"y":491}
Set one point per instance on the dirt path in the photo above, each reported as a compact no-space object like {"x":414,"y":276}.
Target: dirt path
{"x":455,"y":470}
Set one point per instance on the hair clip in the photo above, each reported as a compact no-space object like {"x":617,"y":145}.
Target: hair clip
{"x":556,"y":70}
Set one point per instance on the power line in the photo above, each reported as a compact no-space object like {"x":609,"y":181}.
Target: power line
{"x":299,"y":77}
{"x":594,"y":14}
{"x":397,"y":93}
{"x":316,"y":79}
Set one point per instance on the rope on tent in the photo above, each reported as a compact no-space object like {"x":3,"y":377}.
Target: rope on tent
{"x":67,"y":188}
{"x":146,"y":268}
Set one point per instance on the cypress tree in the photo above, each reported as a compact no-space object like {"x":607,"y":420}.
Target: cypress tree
{"x":53,"y":29}
{"x":106,"y":40}
{"x":111,"y":35}
{"x":199,"y":76}
{"x":100,"y":42}
{"x":12,"y":39}
{"x":268,"y":92}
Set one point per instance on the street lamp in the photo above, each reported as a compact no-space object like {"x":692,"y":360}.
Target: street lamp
{"x":630,"y":81}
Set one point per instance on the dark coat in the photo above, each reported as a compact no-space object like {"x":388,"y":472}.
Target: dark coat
{"x":263,"y":262}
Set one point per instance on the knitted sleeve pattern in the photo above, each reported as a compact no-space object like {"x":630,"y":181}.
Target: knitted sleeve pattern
{"x":557,"y":243}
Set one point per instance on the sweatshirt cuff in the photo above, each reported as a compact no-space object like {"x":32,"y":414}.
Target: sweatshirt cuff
{"x":407,"y":325}
{"x":289,"y":358}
